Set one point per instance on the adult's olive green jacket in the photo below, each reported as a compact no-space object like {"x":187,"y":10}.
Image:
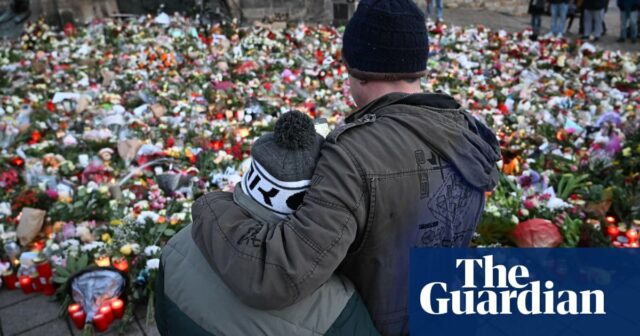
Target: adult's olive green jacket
{"x":405,"y":171}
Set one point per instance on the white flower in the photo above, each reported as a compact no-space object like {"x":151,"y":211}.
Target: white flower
{"x":82,"y":231}
{"x":555,"y":203}
{"x":152,"y":264}
{"x":92,"y":186}
{"x":92,"y":246}
{"x":514,"y":219}
{"x":69,"y":243}
{"x":152,"y":250}
{"x":144,"y":215}
{"x":5,"y":209}
{"x":69,"y":141}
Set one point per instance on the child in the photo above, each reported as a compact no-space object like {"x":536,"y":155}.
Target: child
{"x":192,"y":299}
{"x":536,"y":9}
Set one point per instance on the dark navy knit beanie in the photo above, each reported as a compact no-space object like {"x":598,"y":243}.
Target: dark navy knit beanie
{"x":386,"y":40}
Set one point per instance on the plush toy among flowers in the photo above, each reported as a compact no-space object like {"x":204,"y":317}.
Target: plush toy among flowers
{"x":110,"y":131}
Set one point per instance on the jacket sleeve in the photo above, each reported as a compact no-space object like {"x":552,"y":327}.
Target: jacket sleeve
{"x":271,"y":266}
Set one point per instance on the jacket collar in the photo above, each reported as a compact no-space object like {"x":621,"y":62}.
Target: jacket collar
{"x":434,"y":100}
{"x":256,"y":210}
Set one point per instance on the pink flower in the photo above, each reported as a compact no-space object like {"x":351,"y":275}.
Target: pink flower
{"x":52,"y":194}
{"x":529,"y":204}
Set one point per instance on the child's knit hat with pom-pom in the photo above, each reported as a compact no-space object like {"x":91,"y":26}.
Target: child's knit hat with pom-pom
{"x":282,"y":164}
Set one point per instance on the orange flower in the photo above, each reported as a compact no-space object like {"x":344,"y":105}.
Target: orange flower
{"x":512,"y":167}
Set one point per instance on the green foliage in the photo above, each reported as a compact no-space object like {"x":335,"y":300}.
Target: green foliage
{"x":571,"y":231}
{"x":570,"y":183}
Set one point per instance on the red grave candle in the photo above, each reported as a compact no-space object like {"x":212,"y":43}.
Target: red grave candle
{"x":9,"y":279}
{"x":74,"y":307}
{"x":48,"y":288}
{"x":117,"y":306}
{"x":107,"y":313}
{"x":35,"y":282}
{"x":43,"y":267}
{"x":78,"y":318}
{"x":25,"y":283}
{"x":613,"y":231}
{"x":121,"y":264}
{"x":632,"y":234}
{"x":100,"y":322}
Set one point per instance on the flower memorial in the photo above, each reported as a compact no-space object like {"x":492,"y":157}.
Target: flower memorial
{"x":110,"y":131}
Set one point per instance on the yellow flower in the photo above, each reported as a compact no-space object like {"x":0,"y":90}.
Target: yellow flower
{"x":116,"y":222}
{"x":626,"y":152}
{"x":106,"y":237}
{"x":126,"y":250}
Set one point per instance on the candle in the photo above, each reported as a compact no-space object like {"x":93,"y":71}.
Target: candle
{"x":38,"y":246}
{"x":121,"y":264}
{"x":9,"y":279}
{"x":78,"y":318}
{"x":48,"y":288}
{"x":25,"y":283}
{"x":613,"y":231}
{"x":117,"y":306}
{"x":35,"y":282}
{"x":632,"y":234}
{"x":107,"y":313}
{"x":43,"y":266}
{"x":74,"y":307}
{"x":634,"y":245}
{"x":100,"y":322}
{"x":610,"y":220}
{"x":103,"y":261}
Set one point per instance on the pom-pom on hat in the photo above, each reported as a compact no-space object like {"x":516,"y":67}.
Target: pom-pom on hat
{"x":283,"y":163}
{"x":386,"y":40}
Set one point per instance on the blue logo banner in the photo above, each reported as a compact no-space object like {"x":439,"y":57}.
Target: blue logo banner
{"x":563,"y":292}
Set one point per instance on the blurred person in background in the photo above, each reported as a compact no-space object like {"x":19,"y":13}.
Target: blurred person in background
{"x":438,"y":5}
{"x":593,"y":19}
{"x":559,"y":10}
{"x":18,"y":11}
{"x":628,"y":20}
{"x":577,"y":13}
{"x":536,"y":9}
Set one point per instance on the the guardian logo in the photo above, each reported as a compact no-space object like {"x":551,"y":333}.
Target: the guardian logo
{"x":506,"y":291}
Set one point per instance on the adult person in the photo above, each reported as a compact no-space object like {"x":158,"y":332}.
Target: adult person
{"x":536,"y":10}
{"x":408,"y":169}
{"x":628,"y":19}
{"x":579,"y":12}
{"x":593,"y":19}
{"x":438,"y":9}
{"x":559,"y":10}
